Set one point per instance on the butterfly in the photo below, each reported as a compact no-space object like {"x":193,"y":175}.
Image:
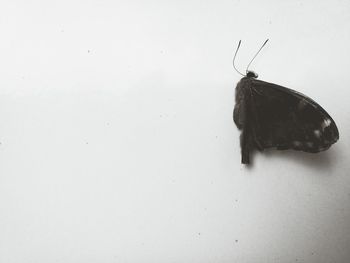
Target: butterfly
{"x":272,"y":116}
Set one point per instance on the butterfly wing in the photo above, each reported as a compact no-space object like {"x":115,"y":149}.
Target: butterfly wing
{"x":287,"y":119}
{"x":270,"y":115}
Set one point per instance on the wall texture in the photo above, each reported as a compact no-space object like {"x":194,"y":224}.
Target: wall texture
{"x":117,"y":139}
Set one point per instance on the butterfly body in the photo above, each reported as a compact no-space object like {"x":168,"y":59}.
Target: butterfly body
{"x":270,"y":115}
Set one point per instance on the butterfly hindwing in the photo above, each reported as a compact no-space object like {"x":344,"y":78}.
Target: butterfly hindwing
{"x":270,"y":115}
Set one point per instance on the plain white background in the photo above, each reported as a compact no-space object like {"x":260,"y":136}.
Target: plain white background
{"x":117,"y":139}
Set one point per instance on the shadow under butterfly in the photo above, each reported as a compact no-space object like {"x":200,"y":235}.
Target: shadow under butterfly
{"x":272,"y":116}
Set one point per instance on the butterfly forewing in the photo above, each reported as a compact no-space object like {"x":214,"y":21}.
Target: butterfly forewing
{"x":274,"y":116}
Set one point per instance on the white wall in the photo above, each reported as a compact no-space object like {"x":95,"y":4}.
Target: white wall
{"x":117,"y":139}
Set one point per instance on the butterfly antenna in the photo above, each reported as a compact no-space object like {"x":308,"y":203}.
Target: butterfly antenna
{"x":234,"y":58}
{"x":256,"y":54}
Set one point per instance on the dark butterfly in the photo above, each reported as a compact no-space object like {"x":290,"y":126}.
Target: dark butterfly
{"x":270,"y":115}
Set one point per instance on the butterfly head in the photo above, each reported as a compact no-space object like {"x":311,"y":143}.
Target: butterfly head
{"x":251,"y":74}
